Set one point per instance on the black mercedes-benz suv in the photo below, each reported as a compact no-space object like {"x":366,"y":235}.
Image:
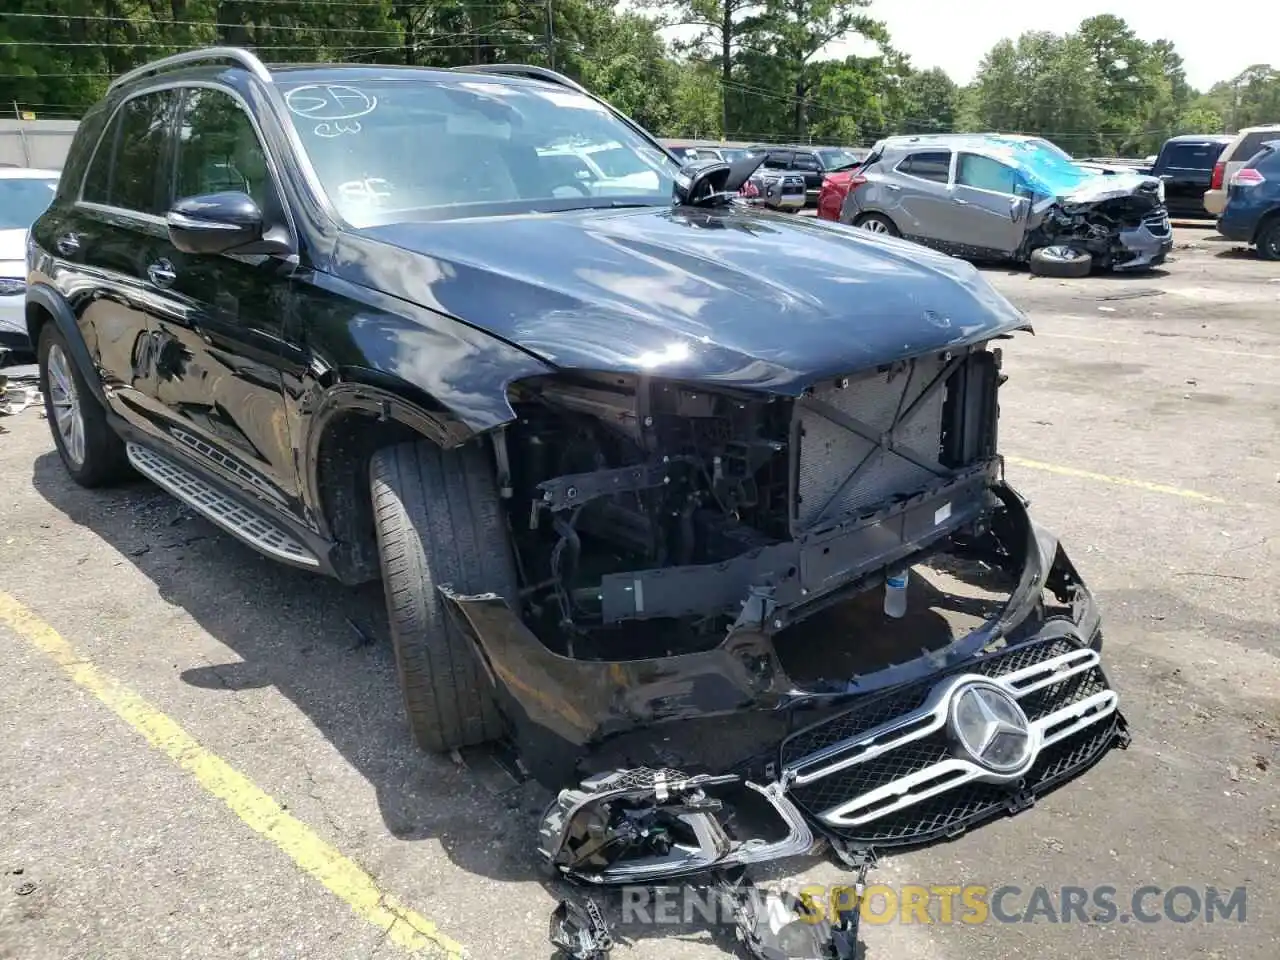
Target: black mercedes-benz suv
{"x":625,"y":449}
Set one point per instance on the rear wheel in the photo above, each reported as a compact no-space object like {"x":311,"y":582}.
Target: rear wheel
{"x":877,"y":223}
{"x":439,"y":522}
{"x":90,"y":450}
{"x":1269,"y":239}
{"x":1060,"y":261}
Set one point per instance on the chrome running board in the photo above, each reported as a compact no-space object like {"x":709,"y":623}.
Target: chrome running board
{"x":214,"y":505}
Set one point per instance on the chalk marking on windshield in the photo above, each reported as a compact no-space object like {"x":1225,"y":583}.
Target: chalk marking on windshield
{"x":336,"y":128}
{"x":335,"y":107}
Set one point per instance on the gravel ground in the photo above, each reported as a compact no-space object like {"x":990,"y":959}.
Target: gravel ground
{"x":1142,"y":420}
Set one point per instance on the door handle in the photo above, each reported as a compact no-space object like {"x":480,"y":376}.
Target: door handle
{"x":162,"y":273}
{"x":67,"y":244}
{"x":959,"y":202}
{"x":893,"y":186}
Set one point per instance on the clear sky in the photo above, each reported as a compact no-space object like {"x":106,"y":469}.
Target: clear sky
{"x":1216,"y":40}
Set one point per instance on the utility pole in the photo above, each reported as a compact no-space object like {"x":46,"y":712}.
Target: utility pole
{"x":551,"y":38}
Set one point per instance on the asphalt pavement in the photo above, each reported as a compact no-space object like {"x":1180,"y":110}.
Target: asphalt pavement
{"x":202,"y":753}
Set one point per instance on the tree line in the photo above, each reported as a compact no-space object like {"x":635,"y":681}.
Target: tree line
{"x":731,"y":69}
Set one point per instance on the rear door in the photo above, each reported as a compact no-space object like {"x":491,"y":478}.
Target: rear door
{"x":108,"y":238}
{"x":984,"y":213}
{"x":916,"y":195}
{"x":221,"y":334}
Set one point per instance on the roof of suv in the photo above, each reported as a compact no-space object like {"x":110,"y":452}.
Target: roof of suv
{"x":235,"y":62}
{"x":1202,"y":138}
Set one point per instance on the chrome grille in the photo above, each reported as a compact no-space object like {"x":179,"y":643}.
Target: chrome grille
{"x":829,"y":452}
{"x":888,"y":772}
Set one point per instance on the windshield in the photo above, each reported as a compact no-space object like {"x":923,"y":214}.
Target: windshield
{"x":23,"y":199}
{"x":1050,"y":170}
{"x":732,"y":154}
{"x":834,"y":159}
{"x":390,"y":150}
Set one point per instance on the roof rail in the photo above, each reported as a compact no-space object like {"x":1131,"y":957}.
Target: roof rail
{"x":525,"y":70}
{"x":189,"y":58}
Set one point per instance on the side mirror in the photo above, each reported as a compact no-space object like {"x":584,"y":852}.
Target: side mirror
{"x":1018,"y":208}
{"x":215,"y":223}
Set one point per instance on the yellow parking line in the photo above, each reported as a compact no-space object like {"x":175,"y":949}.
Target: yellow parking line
{"x":340,"y":875}
{"x":1118,"y":481}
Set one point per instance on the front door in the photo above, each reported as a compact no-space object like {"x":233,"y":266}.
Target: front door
{"x":220,"y":340}
{"x":986,"y":215}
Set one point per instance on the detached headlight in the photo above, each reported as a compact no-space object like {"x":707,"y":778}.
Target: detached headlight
{"x":12,"y":287}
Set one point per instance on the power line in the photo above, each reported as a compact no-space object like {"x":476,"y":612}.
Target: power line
{"x":502,"y":41}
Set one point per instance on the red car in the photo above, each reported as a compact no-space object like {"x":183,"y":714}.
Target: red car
{"x":835,"y":187}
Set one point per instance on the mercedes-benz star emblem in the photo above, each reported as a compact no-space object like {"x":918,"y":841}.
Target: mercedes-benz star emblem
{"x":990,"y":727}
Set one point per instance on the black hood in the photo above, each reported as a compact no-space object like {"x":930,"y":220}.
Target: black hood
{"x":732,"y":295}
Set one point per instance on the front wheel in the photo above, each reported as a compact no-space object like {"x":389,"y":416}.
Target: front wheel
{"x":1060,"y":261}
{"x":877,"y":223}
{"x":439,"y":522}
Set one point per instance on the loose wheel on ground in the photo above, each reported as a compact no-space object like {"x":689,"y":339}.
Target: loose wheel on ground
{"x":1060,"y":261}
{"x":439,"y":522}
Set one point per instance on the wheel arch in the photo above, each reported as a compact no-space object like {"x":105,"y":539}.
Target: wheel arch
{"x":1265,"y":221}
{"x":351,"y":421}
{"x":45,"y":305}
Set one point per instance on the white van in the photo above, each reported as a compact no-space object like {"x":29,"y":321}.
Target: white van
{"x":1247,"y":142}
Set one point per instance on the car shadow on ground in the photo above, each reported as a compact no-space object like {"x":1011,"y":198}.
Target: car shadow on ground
{"x":320,"y":645}
{"x":324,"y":647}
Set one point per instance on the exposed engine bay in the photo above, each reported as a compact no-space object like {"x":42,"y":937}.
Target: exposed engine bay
{"x":1126,"y":229}
{"x":645,"y":514}
{"x":693,"y":556}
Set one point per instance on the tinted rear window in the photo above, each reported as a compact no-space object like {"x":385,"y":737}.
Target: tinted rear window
{"x":931,"y":165}
{"x":1192,"y":156}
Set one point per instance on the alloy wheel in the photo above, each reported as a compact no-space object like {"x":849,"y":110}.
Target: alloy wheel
{"x":875,"y":226}
{"x":65,"y":401}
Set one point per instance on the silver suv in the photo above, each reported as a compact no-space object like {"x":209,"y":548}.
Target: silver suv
{"x":1005,"y":197}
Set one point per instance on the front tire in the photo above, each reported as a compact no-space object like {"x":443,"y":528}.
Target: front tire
{"x":439,"y":522}
{"x":91,"y":451}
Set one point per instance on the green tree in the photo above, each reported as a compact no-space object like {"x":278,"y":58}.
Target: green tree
{"x":931,"y":101}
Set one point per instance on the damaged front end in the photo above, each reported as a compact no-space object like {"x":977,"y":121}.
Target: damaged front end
{"x":1120,"y":220}
{"x":693,"y":555}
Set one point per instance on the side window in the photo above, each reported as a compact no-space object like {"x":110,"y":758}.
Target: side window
{"x":932,"y":165}
{"x":1252,"y":143}
{"x":805,"y":161}
{"x":97,"y":181}
{"x":219,"y":150}
{"x":983,"y":173}
{"x":130,"y":165}
{"x":138,"y":180}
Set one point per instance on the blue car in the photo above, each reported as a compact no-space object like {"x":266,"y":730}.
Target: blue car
{"x":1252,"y":213}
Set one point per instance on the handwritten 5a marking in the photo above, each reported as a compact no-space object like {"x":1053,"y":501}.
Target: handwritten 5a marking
{"x":334,"y":106}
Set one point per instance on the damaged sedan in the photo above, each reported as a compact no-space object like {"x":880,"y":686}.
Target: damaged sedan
{"x":698,"y":505}
{"x":1010,"y":198}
